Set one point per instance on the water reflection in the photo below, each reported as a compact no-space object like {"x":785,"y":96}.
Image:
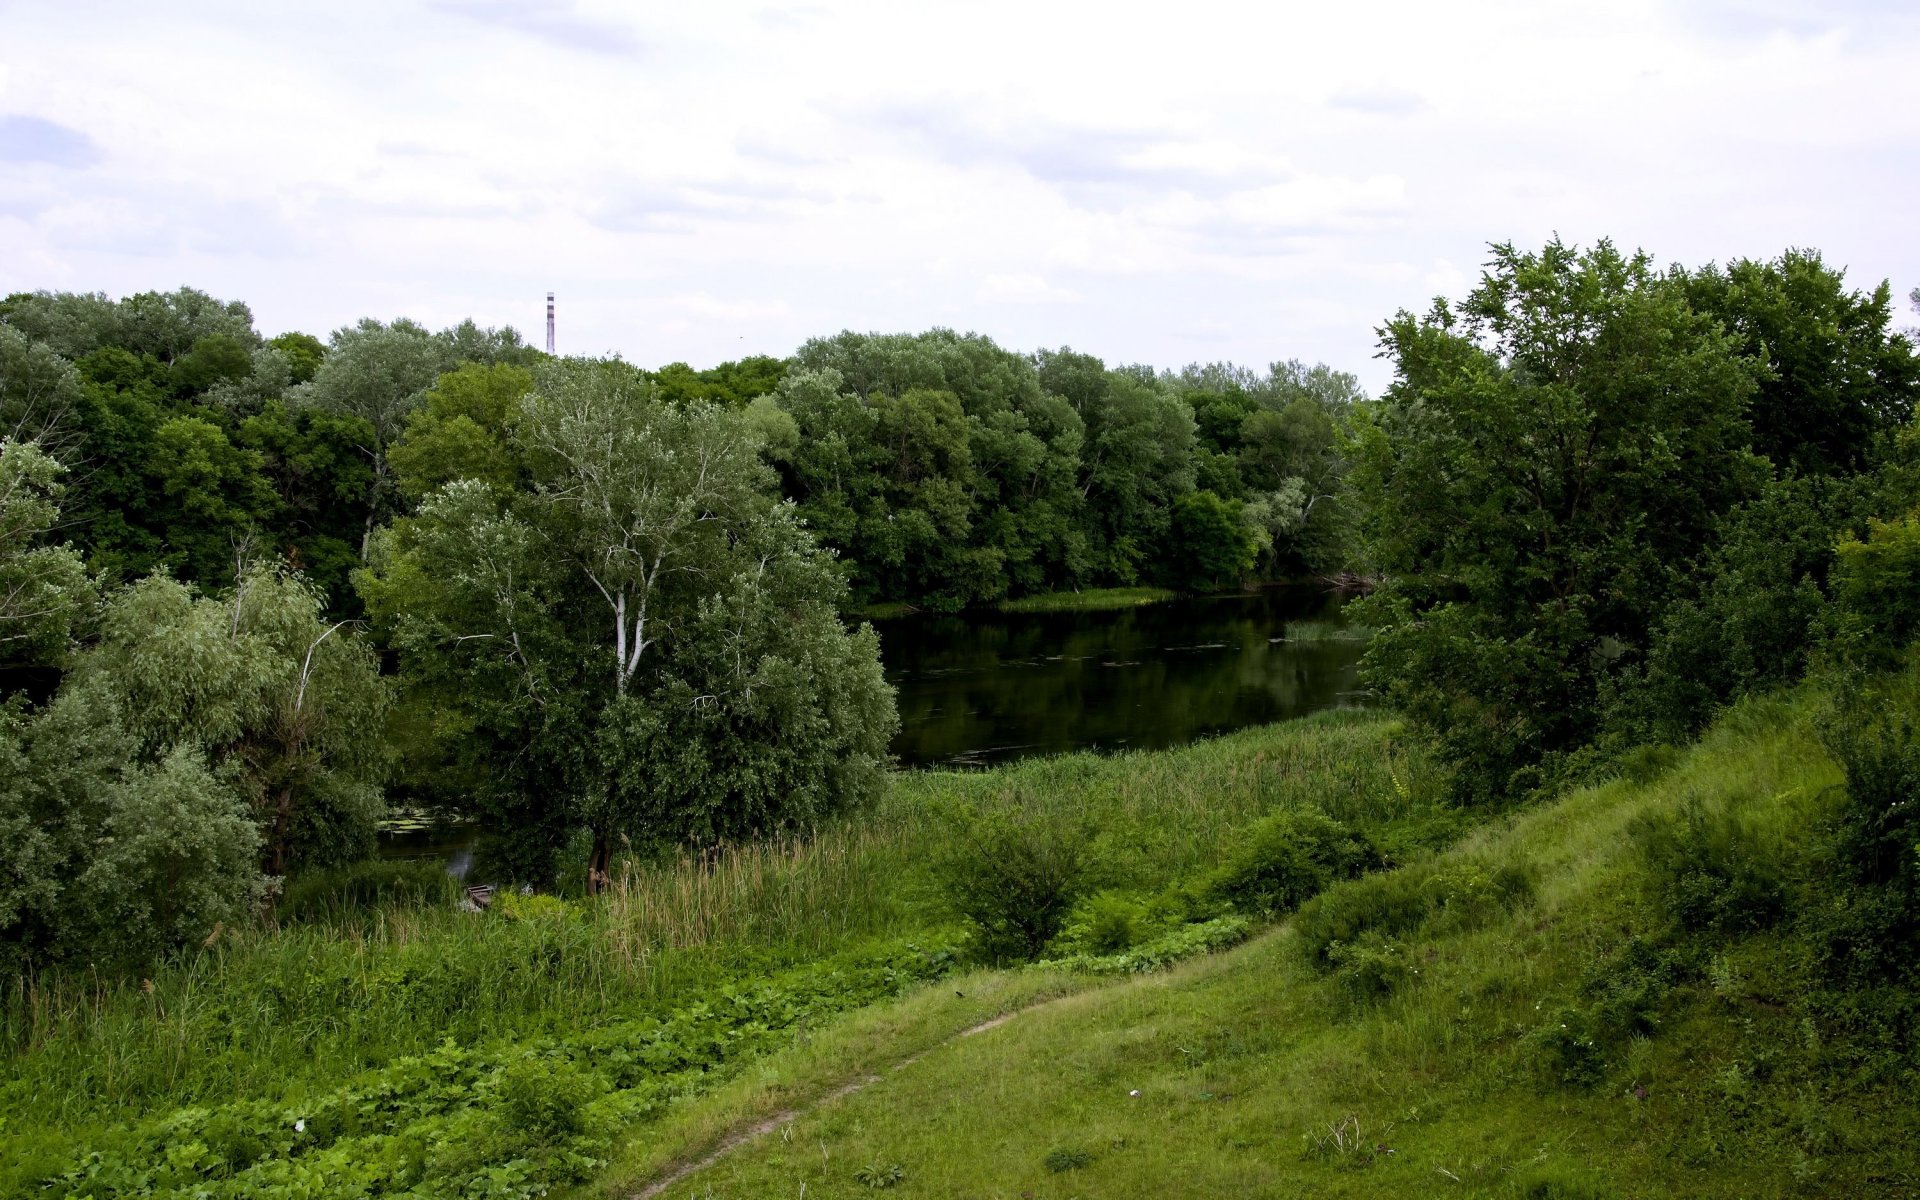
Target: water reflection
{"x":984,"y":688}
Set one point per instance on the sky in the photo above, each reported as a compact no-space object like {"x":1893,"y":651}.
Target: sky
{"x":1159,"y":183}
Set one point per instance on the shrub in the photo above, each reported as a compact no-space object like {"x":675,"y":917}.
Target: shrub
{"x":1372,"y":966}
{"x":1014,"y":874}
{"x":1290,"y":857}
{"x":373,"y":883}
{"x":1461,"y":893}
{"x":544,"y":1099}
{"x":1710,"y":872}
{"x":1104,"y":923}
{"x":1572,"y":1049}
{"x":1871,"y":731}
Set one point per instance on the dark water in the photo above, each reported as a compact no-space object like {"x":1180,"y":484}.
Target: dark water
{"x":987,"y":687}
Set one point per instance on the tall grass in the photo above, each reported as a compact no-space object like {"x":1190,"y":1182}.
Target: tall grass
{"x":1091,"y":600}
{"x":265,"y":1011}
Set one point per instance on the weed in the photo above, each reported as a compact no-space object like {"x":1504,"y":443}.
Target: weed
{"x":1066,"y":1158}
{"x":879,"y":1177}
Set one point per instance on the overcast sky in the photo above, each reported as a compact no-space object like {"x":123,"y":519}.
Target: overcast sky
{"x":1162,"y":183}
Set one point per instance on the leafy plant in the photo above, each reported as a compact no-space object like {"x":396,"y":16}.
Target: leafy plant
{"x":1014,"y":872}
{"x":1289,"y":857}
{"x":879,"y":1177}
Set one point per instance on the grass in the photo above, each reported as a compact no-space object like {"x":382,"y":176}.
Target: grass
{"x":1472,"y":1063}
{"x":270,"y":1015}
{"x":1090,"y":600}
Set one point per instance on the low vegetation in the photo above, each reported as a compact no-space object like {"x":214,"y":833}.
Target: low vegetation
{"x":386,"y":1019}
{"x":1661,"y":985}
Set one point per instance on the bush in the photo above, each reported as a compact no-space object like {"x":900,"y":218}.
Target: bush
{"x":1014,"y":874}
{"x":1872,"y":732}
{"x":1710,"y":872}
{"x":374,"y":883}
{"x":1289,"y":857}
{"x":544,"y":1100}
{"x":1458,"y":893}
{"x":1372,"y":966}
{"x":1103,"y":923}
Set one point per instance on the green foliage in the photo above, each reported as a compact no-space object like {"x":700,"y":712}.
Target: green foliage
{"x":491,"y":1119}
{"x":108,"y":858}
{"x":1014,"y":873}
{"x":335,"y":893}
{"x":1711,"y":872}
{"x":461,"y":430}
{"x":1213,"y":546}
{"x":1756,"y":613}
{"x":1290,"y":857}
{"x":304,"y":354}
{"x":1357,"y":922}
{"x":640,"y":639}
{"x":1837,"y":376}
{"x":1155,"y":953}
{"x":878,"y":1177}
{"x":1876,"y":589}
{"x":1066,"y":1158}
{"x":1873,"y":732}
{"x":1551,"y":446}
{"x":44,"y":590}
{"x":287,"y":707}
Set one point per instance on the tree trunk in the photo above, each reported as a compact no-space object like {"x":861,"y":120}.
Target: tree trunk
{"x":600,"y":865}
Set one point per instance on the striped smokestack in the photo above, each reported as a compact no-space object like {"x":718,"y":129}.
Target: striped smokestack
{"x":549,"y":322}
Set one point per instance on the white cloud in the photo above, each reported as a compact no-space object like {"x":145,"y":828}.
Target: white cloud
{"x":1023,"y":288}
{"x":704,"y":181}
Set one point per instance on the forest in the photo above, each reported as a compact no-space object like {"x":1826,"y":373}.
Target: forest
{"x":258,"y":595}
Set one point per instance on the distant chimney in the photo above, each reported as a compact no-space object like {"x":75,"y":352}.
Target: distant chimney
{"x":549,"y":322}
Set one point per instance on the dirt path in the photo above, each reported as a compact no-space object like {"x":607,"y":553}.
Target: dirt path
{"x":753,"y":1131}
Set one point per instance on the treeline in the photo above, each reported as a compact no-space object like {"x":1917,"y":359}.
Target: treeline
{"x":943,"y":469}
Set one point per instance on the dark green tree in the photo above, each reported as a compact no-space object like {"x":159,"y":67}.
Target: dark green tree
{"x":643,"y":637}
{"x":1838,"y":377}
{"x":1553,"y":452}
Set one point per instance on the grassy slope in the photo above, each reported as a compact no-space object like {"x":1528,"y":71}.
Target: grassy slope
{"x":1257,"y":1076}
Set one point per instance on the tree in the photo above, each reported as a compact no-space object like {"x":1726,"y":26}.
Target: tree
{"x":44,"y":589}
{"x":108,"y":857}
{"x":321,"y":482}
{"x":285,"y":707}
{"x":1213,"y":546}
{"x":304,"y":352}
{"x":1837,"y":377}
{"x":644,"y":638}
{"x":1552,"y":451}
{"x":39,"y":391}
{"x":461,"y":430}
{"x":377,"y":374}
{"x":1137,"y":459}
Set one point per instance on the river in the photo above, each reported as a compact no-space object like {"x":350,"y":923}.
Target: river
{"x":986,"y":687}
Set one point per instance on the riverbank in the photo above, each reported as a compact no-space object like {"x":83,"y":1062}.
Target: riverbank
{"x":409,"y":1026}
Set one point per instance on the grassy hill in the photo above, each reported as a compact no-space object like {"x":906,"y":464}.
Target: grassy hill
{"x":1590,"y":998}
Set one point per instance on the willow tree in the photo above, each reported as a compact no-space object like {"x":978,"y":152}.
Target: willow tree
{"x":642,"y":639}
